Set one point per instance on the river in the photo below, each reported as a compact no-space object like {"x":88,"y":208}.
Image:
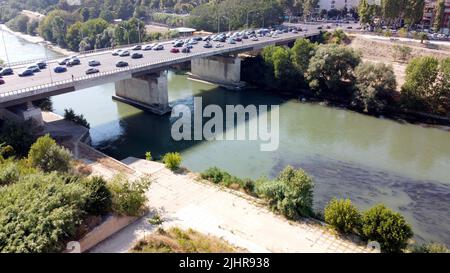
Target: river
{"x":368,"y":160}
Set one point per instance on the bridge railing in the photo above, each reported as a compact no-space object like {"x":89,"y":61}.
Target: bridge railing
{"x":43,"y":88}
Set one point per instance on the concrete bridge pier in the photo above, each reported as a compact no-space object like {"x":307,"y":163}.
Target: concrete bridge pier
{"x":148,"y":92}
{"x":23,"y":112}
{"x":221,"y":70}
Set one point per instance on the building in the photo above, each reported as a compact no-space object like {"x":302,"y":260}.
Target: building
{"x":336,"y":4}
{"x":429,"y":15}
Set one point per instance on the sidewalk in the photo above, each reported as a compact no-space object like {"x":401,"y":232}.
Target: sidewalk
{"x":187,"y":203}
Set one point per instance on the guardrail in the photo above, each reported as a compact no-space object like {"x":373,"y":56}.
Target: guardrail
{"x":39,"y":89}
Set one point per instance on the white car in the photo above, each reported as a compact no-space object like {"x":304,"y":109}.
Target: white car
{"x":33,"y":68}
{"x":94,"y":63}
{"x":219,"y":45}
{"x":117,"y":52}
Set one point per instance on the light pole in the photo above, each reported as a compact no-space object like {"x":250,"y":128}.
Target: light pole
{"x":248,"y":13}
{"x":46,"y":59}
{"x":128,"y":34}
{"x":4,"y":44}
{"x":229,"y":22}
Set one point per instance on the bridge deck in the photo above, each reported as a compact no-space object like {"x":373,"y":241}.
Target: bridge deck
{"x":49,"y":83}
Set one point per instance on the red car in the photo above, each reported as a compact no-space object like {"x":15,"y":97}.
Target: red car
{"x":175,"y":50}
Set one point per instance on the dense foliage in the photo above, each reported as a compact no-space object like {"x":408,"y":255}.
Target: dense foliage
{"x":48,"y":156}
{"x":342,"y":215}
{"x":70,"y":115}
{"x":386,"y":227}
{"x":128,"y":197}
{"x":19,"y":136}
{"x":290,"y":194}
{"x":172,"y":161}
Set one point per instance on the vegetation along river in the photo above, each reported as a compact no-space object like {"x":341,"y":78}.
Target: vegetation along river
{"x":366,"y":159}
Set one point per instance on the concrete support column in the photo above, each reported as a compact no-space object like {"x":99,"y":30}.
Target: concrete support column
{"x":33,"y":113}
{"x":221,"y":70}
{"x":148,"y":92}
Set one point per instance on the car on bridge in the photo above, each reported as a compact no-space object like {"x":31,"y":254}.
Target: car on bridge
{"x":148,"y":47}
{"x":186,"y":50}
{"x":231,"y":41}
{"x":94,"y":63}
{"x":124,"y":53}
{"x":137,"y":55}
{"x":178,"y":44}
{"x":73,"y":61}
{"x":174,"y":50}
{"x":60,"y":69}
{"x":33,"y":68}
{"x":158,"y":47}
{"x":121,"y":64}
{"x":6,"y":71}
{"x":136,"y":47}
{"x":41,"y":64}
{"x":26,"y":72}
{"x":207,"y":45}
{"x":2,"y":81}
{"x":63,"y":61}
{"x":92,"y":71}
{"x":117,"y":52}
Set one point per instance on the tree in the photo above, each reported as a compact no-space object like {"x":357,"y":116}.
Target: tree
{"x":309,"y":6}
{"x":440,"y":11}
{"x":414,"y":11}
{"x":375,"y":85}
{"x":386,"y":227}
{"x":18,"y":135}
{"x":302,"y":52}
{"x":291,"y":194}
{"x":427,"y":85}
{"x":331,"y":69}
{"x":342,"y":215}
{"x":19,"y":23}
{"x":48,"y":156}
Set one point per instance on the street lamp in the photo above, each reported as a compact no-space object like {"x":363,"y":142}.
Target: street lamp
{"x":128,"y":34}
{"x":4,"y":44}
{"x":229,"y":22}
{"x":46,"y":59}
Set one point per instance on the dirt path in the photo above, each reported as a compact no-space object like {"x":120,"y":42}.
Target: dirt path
{"x":187,"y":203}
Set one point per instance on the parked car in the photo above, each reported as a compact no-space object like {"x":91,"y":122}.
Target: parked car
{"x":63,"y":61}
{"x":41,"y":64}
{"x":92,"y":71}
{"x":174,"y":50}
{"x":136,"y":55}
{"x":6,"y":71}
{"x":158,"y":47}
{"x":124,"y":53}
{"x":60,"y":69}
{"x":121,"y":64}
{"x":94,"y":63}
{"x":33,"y":68}
{"x":186,"y":50}
{"x":136,"y":47}
{"x":117,"y":52}
{"x":26,"y":72}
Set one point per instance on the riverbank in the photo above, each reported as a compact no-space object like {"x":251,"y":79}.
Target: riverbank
{"x":37,"y":40}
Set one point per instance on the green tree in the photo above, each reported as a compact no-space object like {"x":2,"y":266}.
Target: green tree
{"x":414,"y":11}
{"x":18,"y":135}
{"x":291,"y":194}
{"x":48,"y":156}
{"x":386,"y":227}
{"x":99,"y":201}
{"x":342,"y":215}
{"x":440,"y":11}
{"x":375,"y":86}
{"x":302,"y":52}
{"x":331,"y":69}
{"x":128,"y":197}
{"x":19,"y":23}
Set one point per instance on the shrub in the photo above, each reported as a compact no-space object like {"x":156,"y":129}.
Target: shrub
{"x":100,"y":200}
{"x":401,"y":53}
{"x":9,"y":173}
{"x":172,"y":161}
{"x":375,"y":86}
{"x":17,"y":135}
{"x":430,"y":248}
{"x":291,"y":194}
{"x":70,"y":115}
{"x":48,"y":156}
{"x":342,"y":215}
{"x":128,"y":197}
{"x":148,"y":156}
{"x":39,"y":213}
{"x":386,"y":227}
{"x":214,"y":175}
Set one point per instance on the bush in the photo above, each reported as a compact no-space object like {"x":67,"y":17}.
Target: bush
{"x":214,"y":175}
{"x":401,"y":53}
{"x":430,"y":248}
{"x":291,"y":194}
{"x":70,"y":115}
{"x":39,"y":213}
{"x":375,"y":86}
{"x":386,"y":227}
{"x":128,"y":197}
{"x":17,"y":135}
{"x":172,"y":161}
{"x":100,"y":199}
{"x":48,"y":156}
{"x":9,"y":173}
{"x":342,"y":215}
{"x":148,"y":156}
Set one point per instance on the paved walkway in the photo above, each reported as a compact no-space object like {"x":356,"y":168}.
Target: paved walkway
{"x":187,"y":203}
